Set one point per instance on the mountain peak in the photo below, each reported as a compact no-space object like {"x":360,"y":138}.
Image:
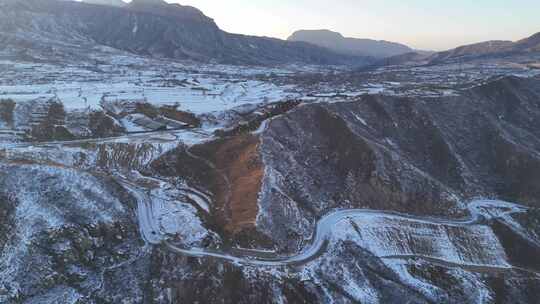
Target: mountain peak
{"x":118,"y":3}
{"x":160,"y":7}
{"x":148,"y":2}
{"x":351,"y":46}
{"x":321,"y":33}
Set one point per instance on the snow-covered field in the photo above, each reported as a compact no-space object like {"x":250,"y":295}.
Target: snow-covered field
{"x":196,"y":88}
{"x":203,"y":88}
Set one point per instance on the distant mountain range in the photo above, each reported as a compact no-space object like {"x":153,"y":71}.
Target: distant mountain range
{"x":59,"y":29}
{"x":528,"y":48}
{"x":350,"y":46}
{"x":491,"y":48}
{"x":145,"y":27}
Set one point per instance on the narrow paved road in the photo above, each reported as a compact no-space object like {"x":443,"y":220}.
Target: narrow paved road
{"x":324,"y":230}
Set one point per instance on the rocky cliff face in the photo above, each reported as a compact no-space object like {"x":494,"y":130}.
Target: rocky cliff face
{"x":151,"y":28}
{"x":391,"y":185}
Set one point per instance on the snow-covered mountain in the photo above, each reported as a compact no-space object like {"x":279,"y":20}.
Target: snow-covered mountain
{"x":145,"y":27}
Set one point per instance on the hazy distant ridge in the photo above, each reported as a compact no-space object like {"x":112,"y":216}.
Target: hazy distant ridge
{"x":351,"y":46}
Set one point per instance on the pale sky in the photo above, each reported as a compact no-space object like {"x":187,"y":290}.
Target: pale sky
{"x":421,"y":24}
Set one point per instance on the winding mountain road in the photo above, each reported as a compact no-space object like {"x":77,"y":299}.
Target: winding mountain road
{"x":480,"y":211}
{"x":324,"y":230}
{"x":152,"y":230}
